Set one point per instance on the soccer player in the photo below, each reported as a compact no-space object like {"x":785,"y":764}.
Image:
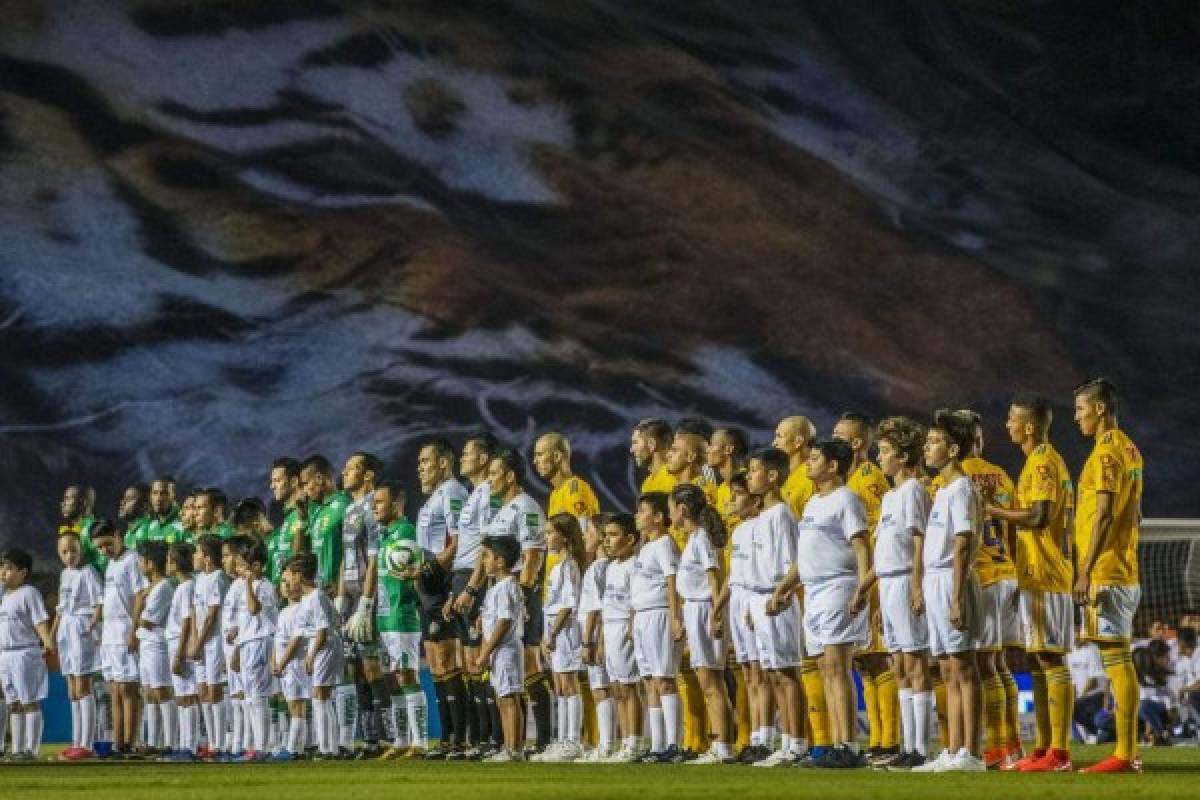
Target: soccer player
{"x":163,"y":524}
{"x":317,"y":624}
{"x":187,"y":518}
{"x":77,"y":518}
{"x":590,"y":609}
{"x":220,"y":510}
{"x":257,"y":618}
{"x":179,"y":632}
{"x":951,"y":589}
{"x":561,"y":645}
{"x":285,"y":541}
{"x":615,"y":649}
{"x":122,"y":582}
{"x":294,"y":683}
{"x":205,"y":647}
{"x":134,"y":513}
{"x":833,"y":559}
{"x":649,"y":442}
{"x":204,"y":512}
{"x":24,"y":626}
{"x":80,"y":595}
{"x":726,"y":456}
{"x":1106,"y":538}
{"x":503,"y":617}
{"x":398,"y":619}
{"x":437,"y":535}
{"x":154,"y":664}
{"x":1042,"y":513}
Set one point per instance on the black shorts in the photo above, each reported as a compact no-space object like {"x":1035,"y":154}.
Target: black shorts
{"x":534,"y":619}
{"x":433,"y":590}
{"x":467,"y":625}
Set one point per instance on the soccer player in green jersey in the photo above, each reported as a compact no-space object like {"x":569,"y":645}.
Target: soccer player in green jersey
{"x":163,"y":524}
{"x":134,"y":512}
{"x":283,"y":543}
{"x":76,"y":511}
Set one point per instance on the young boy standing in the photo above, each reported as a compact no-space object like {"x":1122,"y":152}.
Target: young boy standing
{"x":503,"y":618}
{"x":205,"y":647}
{"x":122,"y":582}
{"x":80,"y":595}
{"x":179,"y":634}
{"x":24,"y":626}
{"x":323,"y":661}
{"x":154,"y":665}
{"x":294,"y":682}
{"x":256,"y":622}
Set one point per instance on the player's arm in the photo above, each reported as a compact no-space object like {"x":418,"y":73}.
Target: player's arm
{"x":207,"y":629}
{"x":531,"y":564}
{"x":1036,"y":517}
{"x":591,"y":633}
{"x":58,"y":615}
{"x":185,"y":641}
{"x":502,"y":628}
{"x":1099,"y":539}
{"x":861,"y":543}
{"x":139,"y":603}
{"x":961,"y":571}
{"x":787,"y":586}
{"x":289,"y":652}
{"x":720,"y":592}
{"x":916,"y":590}
{"x":253,"y":603}
{"x":451,"y":515}
{"x":675,"y":609}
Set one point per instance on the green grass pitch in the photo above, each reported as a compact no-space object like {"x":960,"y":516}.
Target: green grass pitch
{"x":1170,"y":772}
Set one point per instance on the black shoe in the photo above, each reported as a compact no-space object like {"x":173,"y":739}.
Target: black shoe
{"x":368,"y":753}
{"x":456,"y":754}
{"x":437,"y":754}
{"x":690,"y":755}
{"x":345,"y":754}
{"x":883,"y":755}
{"x":909,"y":760}
{"x":889,"y":763}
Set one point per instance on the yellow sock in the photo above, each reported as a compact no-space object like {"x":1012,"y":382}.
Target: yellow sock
{"x":1119,"y":667}
{"x":591,"y":730}
{"x":1012,"y":710}
{"x":1041,"y":709}
{"x":871,"y":701}
{"x":939,"y":697}
{"x":742,"y":709}
{"x":1058,"y":691}
{"x":889,"y":708}
{"x":993,"y":711}
{"x":695,"y":715}
{"x":818,"y":712}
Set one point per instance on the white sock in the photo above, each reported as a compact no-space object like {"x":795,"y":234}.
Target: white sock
{"x":672,"y":718}
{"x":785,"y":743}
{"x":296,"y":736}
{"x":33,"y":731}
{"x":399,"y":722}
{"x":237,"y":741}
{"x":152,"y":726}
{"x":768,"y":736}
{"x":418,"y":719}
{"x":606,"y":719}
{"x":799,"y":746}
{"x":574,"y":718}
{"x":18,"y":732}
{"x":170,"y":725}
{"x":332,"y":727}
{"x":76,"y":724}
{"x":321,"y":722}
{"x":183,"y":718}
{"x":723,"y":749}
{"x":216,"y":733}
{"x":256,"y":716}
{"x":3,"y":722}
{"x":654,"y":716}
{"x":346,"y":703}
{"x":205,"y":723}
{"x":906,"y":719}
{"x":922,"y":704}
{"x":560,"y":706}
{"x":87,"y":721}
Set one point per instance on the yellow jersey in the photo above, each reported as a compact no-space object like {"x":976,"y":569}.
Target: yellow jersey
{"x":573,"y":496}
{"x":658,"y":481}
{"x":797,"y":490}
{"x":870,"y":484}
{"x":992,"y":561}
{"x":1043,"y":557}
{"x":1115,"y":466}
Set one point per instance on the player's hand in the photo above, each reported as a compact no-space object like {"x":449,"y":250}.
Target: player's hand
{"x":588,"y":653}
{"x":309,"y":663}
{"x":916,"y":598}
{"x":194,"y":652}
{"x":716,"y":626}
{"x":1083,"y":591}
{"x":677,"y":631}
{"x":859,"y":601}
{"x":132,"y":642}
{"x":599,"y":657}
{"x":177,"y":666}
{"x":462,"y":603}
{"x":231,"y":636}
{"x":235,"y":663}
{"x":956,"y":615}
{"x":547,"y":649}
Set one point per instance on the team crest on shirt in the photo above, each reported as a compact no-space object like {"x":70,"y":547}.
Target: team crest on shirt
{"x":1043,"y":472}
{"x":455,"y":504}
{"x":580,"y":508}
{"x":531,"y":520}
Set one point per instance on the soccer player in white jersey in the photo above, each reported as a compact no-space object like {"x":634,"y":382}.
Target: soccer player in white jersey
{"x":699,"y":581}
{"x":80,"y":595}
{"x":205,"y":647}
{"x":561,"y":644}
{"x":179,"y":633}
{"x":776,"y":621}
{"x":24,"y":641}
{"x":952,"y":592}
{"x":615,"y":648}
{"x":503,"y":617}
{"x":591,"y":606}
{"x":154,"y":664}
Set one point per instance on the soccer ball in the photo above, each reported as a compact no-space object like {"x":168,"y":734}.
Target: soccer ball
{"x":401,"y":556}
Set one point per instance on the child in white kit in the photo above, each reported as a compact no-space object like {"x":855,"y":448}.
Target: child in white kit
{"x":154,"y":663}
{"x":287,"y":664}
{"x":616,"y":650}
{"x":503,"y":626}
{"x":24,"y":641}
{"x":179,"y":633}
{"x":592,"y":631}
{"x":561,"y":643}
{"x":232,"y":608}
{"x":206,"y":648}
{"x":323,"y":661}
{"x":256,"y":630}
{"x":80,"y":596}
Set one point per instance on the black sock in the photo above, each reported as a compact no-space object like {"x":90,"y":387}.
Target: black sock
{"x":540,"y":705}
{"x":494,"y":716}
{"x":470,"y":718}
{"x":479,"y":707}
{"x":439,"y":689}
{"x":382,"y":705}
{"x":368,"y":716}
{"x":456,"y":702}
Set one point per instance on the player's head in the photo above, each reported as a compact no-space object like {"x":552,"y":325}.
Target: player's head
{"x":651,"y":437}
{"x":563,"y":533}
{"x":685,"y":456}
{"x":73,"y":502}
{"x":620,"y":535}
{"x":767,"y":470}
{"x":727,"y":448}
{"x":854,"y":428}
{"x":152,"y":558}
{"x":229,"y":556}
{"x":15,"y":566}
{"x":478,"y":451}
{"x":742,"y":503}
{"x":1187,"y":640}
{"x":250,"y":518}
{"x":950,"y":438}
{"x":1095,"y":403}
{"x":551,"y":455}
{"x":689,"y":508}
{"x":134,"y":502}
{"x":976,"y":420}
{"x":506,"y":474}
{"x":303,"y":568}
{"x":389,"y":501}
{"x":502,"y":553}
{"x":219,"y":501}
{"x":316,"y":477}
{"x":362,"y":471}
{"x":249,"y":552}
{"x":830,"y":460}
{"x":653,"y":513}
{"x":162,"y":496}
{"x":1029,"y":418}
{"x":284,"y":479}
{"x":70,"y":549}
{"x":107,"y":537}
{"x":901,"y":442}
{"x":181,"y":559}
{"x":794,"y":435}
{"x":208,"y":551}
{"x":695,"y":426}
{"x":435,"y":464}
{"x":593,"y":535}
{"x":172,"y":487}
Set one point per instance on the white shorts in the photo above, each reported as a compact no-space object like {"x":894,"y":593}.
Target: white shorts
{"x":745,"y":650}
{"x":181,"y":685}
{"x":78,"y":652}
{"x":657,"y":654}
{"x":567,"y":655}
{"x":1110,"y":618}
{"x":944,"y":638}
{"x":210,"y":669}
{"x":119,"y":665}
{"x":294,"y":682}
{"x":232,"y":676}
{"x":597,"y":677}
{"x":619,"y":660}
{"x":903,"y":631}
{"x":402,"y":651}
{"x":328,"y":665}
{"x":827,"y":617}
{"x":778,"y":638}
{"x":704,"y":652}
{"x":508,"y":671}
{"x":154,"y":667}
{"x":23,"y":676}
{"x":999,"y":621}
{"x":1048,"y":620}
{"x":256,"y":668}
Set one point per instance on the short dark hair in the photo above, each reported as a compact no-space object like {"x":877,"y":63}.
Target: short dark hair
{"x":210,"y":545}
{"x":512,"y":461}
{"x":21,"y":559}
{"x":738,"y":483}
{"x":658,"y":504}
{"x":102,"y":528}
{"x":290,"y":466}
{"x":772,"y":458}
{"x":858,"y":418}
{"x":183,"y":554}
{"x":1186,"y":636}
{"x":505,"y":547}
{"x":958,"y":428}
{"x":240,"y":545}
{"x":218,"y":498}
{"x":441,"y":447}
{"x":1036,"y":406}
{"x":371,"y":463}
{"x":695,"y":425}
{"x":485,"y":441}
{"x":305,"y":565}
{"x":625,"y":522}
{"x":839,"y":451}
{"x":397,"y":491}
{"x":1100,"y":390}
{"x":319,"y":463}
{"x":655,"y":428}
{"x":248,"y":510}
{"x":741,"y":445}
{"x":155,"y":552}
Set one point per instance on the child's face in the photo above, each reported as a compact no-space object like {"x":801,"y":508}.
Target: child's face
{"x":227,"y":560}
{"x":495,"y":565}
{"x":678,"y":514}
{"x":291,"y":582}
{"x":742,"y":504}
{"x":554,"y":538}
{"x":172,"y":567}
{"x":593,"y":538}
{"x":241,"y":564}
{"x":11,"y":576}
{"x":617,"y":542}
{"x":69,"y":551}
{"x":108,"y":546}
{"x":146,"y":566}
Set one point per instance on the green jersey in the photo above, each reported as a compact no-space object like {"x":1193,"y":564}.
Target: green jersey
{"x":325,"y":535}
{"x":169,"y":530}
{"x":397,"y":607}
{"x":280,"y":543}
{"x":137,"y":532}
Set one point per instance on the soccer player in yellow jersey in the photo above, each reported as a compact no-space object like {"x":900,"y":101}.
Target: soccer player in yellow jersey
{"x":686,"y":458}
{"x":726,"y":456}
{"x":648,"y":445}
{"x":881,"y":695}
{"x":794,"y":436}
{"x":1106,"y":539}
{"x":1042,"y":513}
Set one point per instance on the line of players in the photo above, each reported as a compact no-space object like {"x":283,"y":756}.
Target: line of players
{"x":740,"y":592}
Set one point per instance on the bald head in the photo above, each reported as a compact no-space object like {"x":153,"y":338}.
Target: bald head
{"x":794,"y":434}
{"x":686,"y":454}
{"x":552,"y":457}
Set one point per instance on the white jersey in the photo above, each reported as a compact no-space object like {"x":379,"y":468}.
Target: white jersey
{"x":563,"y":586}
{"x":905,"y":509}
{"x":697,"y":559}
{"x":741,"y":551}
{"x":591,"y":593}
{"x":122,"y":580}
{"x":260,"y":625}
{"x":209,"y":593}
{"x":476,"y":515}
{"x":618,"y":583}
{"x":774,"y":548}
{"x":504,"y":601}
{"x":287,"y":628}
{"x":522,"y":519}
{"x":21,"y":611}
{"x":182,"y":603}
{"x":360,"y":538}
{"x":438,"y":518}
{"x":957,"y":510}
{"x":232,"y":608}
{"x":829,"y":522}
{"x":155,"y":610}
{"x":79,"y":591}
{"x":655,"y":562}
{"x":317,"y":613}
